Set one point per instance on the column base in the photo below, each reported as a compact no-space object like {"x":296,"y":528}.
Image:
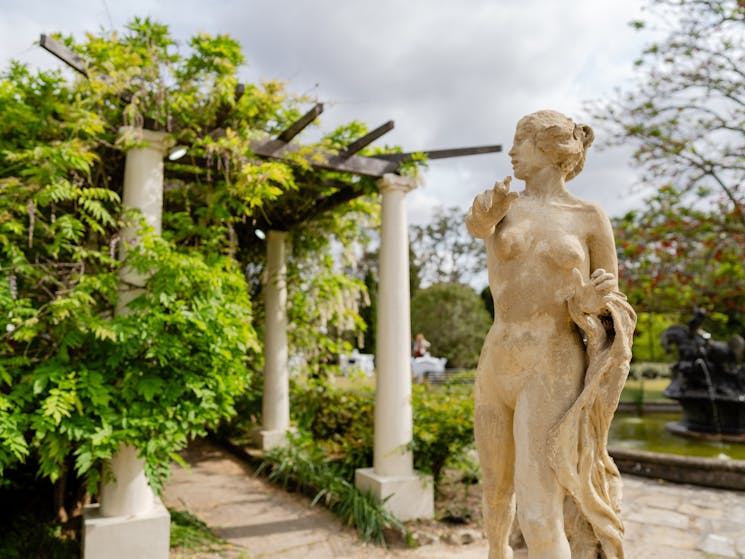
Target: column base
{"x":267,"y":440}
{"x":145,"y":536}
{"x":409,"y":497}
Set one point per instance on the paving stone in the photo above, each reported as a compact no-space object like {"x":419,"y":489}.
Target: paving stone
{"x":697,"y":510}
{"x":641,"y":550}
{"x":660,"y":501}
{"x":673,"y":537}
{"x":740,"y":546}
{"x":661,"y":517}
{"x":718,"y":545}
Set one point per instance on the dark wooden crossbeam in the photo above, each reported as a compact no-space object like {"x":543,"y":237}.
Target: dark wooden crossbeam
{"x":440,"y":153}
{"x":300,"y":124}
{"x":347,"y":161}
{"x":321,"y":159}
{"x":307,"y":206}
{"x":64,"y":54}
{"x":345,"y":192}
{"x":367,"y":139}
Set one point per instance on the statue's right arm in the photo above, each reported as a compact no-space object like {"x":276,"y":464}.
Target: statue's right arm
{"x":489,"y":208}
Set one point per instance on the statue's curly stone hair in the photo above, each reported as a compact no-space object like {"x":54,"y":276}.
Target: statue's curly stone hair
{"x":558,"y":136}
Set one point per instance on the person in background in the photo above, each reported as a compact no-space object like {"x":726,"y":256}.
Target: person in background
{"x":421,"y":345}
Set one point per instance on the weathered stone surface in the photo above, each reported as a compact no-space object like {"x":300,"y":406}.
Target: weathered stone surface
{"x":740,"y":546}
{"x":544,"y":396}
{"x":661,"y":517}
{"x":718,"y":545}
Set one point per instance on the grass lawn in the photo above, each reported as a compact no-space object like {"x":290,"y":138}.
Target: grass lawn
{"x":647,"y":390}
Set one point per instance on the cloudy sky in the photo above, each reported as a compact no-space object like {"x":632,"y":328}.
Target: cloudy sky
{"x":449,"y":73}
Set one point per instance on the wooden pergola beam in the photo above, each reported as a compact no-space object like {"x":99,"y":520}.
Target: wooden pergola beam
{"x":321,"y":159}
{"x":367,"y":139}
{"x":440,"y":153}
{"x":64,"y":54}
{"x":300,"y":124}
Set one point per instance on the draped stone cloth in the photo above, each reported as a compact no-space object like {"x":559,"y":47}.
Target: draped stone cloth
{"x":577,"y":446}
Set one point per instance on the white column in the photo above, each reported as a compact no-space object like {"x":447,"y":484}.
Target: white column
{"x":131,"y":520}
{"x":143,"y":190}
{"x":275,"y":408}
{"x":410,"y":494}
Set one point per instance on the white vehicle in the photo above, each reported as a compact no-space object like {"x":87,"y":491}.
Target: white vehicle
{"x":357,"y":362}
{"x":427,"y":367}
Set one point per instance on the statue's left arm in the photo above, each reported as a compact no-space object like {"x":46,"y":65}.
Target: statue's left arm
{"x":601,"y":245}
{"x":592,"y":296}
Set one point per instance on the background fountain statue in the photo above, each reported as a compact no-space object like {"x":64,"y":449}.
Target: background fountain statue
{"x":708,"y":380}
{"x":545,"y":393}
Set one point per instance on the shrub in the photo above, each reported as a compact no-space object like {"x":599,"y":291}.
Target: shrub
{"x":341,"y":424}
{"x":81,"y":382}
{"x":340,"y":421}
{"x":443,"y":425}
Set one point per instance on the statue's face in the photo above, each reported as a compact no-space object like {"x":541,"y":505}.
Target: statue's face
{"x":526,"y":158}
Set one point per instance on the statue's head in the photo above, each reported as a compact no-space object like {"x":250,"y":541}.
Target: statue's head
{"x":559,"y":138}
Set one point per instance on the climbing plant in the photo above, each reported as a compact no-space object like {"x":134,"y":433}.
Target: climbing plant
{"x":76,"y":380}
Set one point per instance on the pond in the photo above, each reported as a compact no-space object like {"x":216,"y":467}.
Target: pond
{"x":633,"y":432}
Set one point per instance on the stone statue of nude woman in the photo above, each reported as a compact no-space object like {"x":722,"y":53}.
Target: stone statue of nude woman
{"x":556,"y":357}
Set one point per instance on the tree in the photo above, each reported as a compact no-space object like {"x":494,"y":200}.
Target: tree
{"x":673,"y":258}
{"x":453,"y":318}
{"x":443,"y":251}
{"x":686,"y":113}
{"x":685,"y":116}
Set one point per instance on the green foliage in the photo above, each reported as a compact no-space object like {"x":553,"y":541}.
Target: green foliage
{"x":304,"y":467}
{"x":649,"y":328}
{"x":27,"y":524}
{"x":443,"y":425}
{"x":189,"y":533}
{"x":325,"y":292}
{"x":29,"y":535}
{"x":78,"y":379}
{"x":641,"y":391}
{"x":154,"y":377}
{"x":453,"y":318}
{"x":673,"y":258}
{"x":340,"y":422}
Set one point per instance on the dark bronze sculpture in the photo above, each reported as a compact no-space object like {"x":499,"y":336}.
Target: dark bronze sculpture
{"x":708,"y":380}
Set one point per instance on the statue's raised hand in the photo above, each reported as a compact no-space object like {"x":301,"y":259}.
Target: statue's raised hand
{"x":489,"y":208}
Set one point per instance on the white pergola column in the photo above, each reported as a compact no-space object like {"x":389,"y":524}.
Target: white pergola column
{"x":410,"y":494}
{"x":275,"y":405}
{"x":131,"y":520}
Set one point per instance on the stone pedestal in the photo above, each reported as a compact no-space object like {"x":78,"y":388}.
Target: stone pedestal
{"x":409,"y":496}
{"x":131,"y":522}
{"x":275,"y":409}
{"x":393,"y":470}
{"x":142,"y":536}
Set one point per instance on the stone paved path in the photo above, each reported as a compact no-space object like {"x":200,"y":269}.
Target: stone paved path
{"x":663,"y":521}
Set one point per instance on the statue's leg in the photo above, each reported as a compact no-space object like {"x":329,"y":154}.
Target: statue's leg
{"x":495,"y":444}
{"x":540,"y":498}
